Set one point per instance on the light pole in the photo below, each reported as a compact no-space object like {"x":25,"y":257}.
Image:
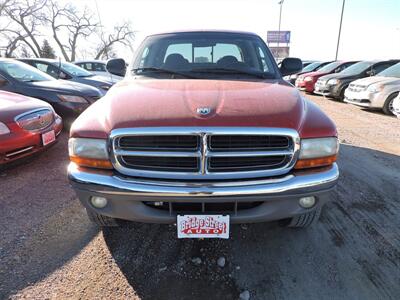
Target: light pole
{"x":340,"y":30}
{"x":279,"y":26}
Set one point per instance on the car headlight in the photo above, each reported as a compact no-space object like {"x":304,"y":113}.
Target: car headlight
{"x":317,"y":152}
{"x":72,"y":98}
{"x":375,"y":88}
{"x":105,"y":87}
{"x":332,"y":82}
{"x":294,"y":76}
{"x":4,"y":129}
{"x":308,"y":78}
{"x":88,"y":152}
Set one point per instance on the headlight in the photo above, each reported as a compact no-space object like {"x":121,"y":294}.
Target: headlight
{"x":375,"y":88}
{"x":294,"y":76}
{"x":72,"y":98}
{"x":332,"y":82}
{"x":308,"y":78}
{"x":105,"y":87}
{"x":317,"y":152}
{"x":4,"y":129}
{"x":89,"y":152}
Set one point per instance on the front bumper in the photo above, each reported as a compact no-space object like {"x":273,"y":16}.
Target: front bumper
{"x":21,"y":143}
{"x":365,"y":98}
{"x":126,"y":197}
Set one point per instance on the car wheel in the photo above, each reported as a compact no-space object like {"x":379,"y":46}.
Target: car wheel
{"x":305,"y":220}
{"x":341,"y":95}
{"x":100,"y":220}
{"x":388,"y":106}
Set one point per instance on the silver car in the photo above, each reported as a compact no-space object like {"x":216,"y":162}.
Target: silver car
{"x":376,"y":92}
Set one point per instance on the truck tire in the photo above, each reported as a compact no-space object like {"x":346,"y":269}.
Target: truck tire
{"x":100,"y":220}
{"x":305,"y":220}
{"x":388,"y":106}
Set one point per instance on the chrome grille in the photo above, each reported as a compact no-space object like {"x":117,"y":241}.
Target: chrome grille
{"x":356,"y":88}
{"x":35,"y":120}
{"x":204,"y":153}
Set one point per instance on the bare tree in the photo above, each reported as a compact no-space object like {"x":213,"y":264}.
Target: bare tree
{"x":122,"y":34}
{"x":68,"y":21}
{"x":24,"y":20}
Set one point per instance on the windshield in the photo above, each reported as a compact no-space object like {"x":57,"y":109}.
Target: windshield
{"x":204,"y":55}
{"x":23,"y":72}
{"x":357,"y":68}
{"x":330,"y":67}
{"x":75,"y":70}
{"x":311,"y":67}
{"x":393,"y":71}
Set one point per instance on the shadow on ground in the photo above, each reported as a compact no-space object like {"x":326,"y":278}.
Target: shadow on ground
{"x":42,"y":224}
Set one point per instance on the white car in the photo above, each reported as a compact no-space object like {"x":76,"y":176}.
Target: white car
{"x":376,"y":92}
{"x":396,"y":106}
{"x":97,"y":67}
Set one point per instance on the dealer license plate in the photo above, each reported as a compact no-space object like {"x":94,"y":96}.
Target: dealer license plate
{"x":203,"y":226}
{"x":48,"y":137}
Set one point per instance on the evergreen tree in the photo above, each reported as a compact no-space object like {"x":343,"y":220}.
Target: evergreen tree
{"x":47,"y":50}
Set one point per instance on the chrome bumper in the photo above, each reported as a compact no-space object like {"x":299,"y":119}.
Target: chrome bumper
{"x":304,"y":182}
{"x":128,"y":197}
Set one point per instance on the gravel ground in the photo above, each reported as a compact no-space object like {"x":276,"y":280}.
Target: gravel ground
{"x":49,"y":250}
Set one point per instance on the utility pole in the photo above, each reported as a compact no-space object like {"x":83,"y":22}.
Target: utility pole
{"x":280,"y":16}
{"x":340,"y":30}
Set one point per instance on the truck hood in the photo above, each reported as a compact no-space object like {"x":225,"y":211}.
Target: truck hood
{"x":377,"y":79}
{"x":157,"y":103}
{"x":12,"y":105}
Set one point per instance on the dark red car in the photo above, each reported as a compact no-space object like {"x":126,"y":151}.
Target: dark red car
{"x":306,"y":82}
{"x":27,"y":126}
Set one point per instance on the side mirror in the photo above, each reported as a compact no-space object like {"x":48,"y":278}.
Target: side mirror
{"x":290,"y":65}
{"x":116,"y":66}
{"x":370,"y":73}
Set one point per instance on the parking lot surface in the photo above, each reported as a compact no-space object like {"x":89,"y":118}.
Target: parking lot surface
{"x":48,"y":248}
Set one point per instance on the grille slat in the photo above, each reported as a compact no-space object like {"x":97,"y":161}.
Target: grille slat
{"x":247,"y":142}
{"x":188,"y":164}
{"x":160,"y":142}
{"x":231,"y":164}
{"x":204,"y":153}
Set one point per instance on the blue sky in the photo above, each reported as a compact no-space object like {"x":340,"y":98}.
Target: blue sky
{"x":371,"y":28}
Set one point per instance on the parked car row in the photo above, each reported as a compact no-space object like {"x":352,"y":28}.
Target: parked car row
{"x":370,"y":84}
{"x":36,"y":95}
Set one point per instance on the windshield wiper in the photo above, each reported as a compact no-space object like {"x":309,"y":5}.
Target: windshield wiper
{"x":234,"y":71}
{"x":152,"y":69}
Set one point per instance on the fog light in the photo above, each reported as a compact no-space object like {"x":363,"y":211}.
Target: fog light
{"x":158,"y":203}
{"x":307,"y":202}
{"x":98,"y":202}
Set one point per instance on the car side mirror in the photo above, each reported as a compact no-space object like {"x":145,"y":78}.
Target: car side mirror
{"x":116,"y":66}
{"x":290,"y":65}
{"x":370,"y":73}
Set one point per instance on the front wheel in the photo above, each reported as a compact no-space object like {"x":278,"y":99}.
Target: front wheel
{"x":305,"y":220}
{"x":388,"y":106}
{"x":100,"y":220}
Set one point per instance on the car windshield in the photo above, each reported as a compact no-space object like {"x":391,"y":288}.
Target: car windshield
{"x":204,"y":55}
{"x":393,"y":71}
{"x":311,"y":67}
{"x":330,"y":67}
{"x":75,"y":70}
{"x":357,"y":68}
{"x":23,"y":72}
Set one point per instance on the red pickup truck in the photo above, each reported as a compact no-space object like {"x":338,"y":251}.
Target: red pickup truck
{"x":203,"y":132}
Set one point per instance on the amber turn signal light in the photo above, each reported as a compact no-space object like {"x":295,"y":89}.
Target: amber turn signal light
{"x":91,"y":162}
{"x":315,"y":162}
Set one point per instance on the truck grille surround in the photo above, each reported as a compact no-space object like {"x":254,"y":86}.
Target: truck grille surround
{"x":199,"y":153}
